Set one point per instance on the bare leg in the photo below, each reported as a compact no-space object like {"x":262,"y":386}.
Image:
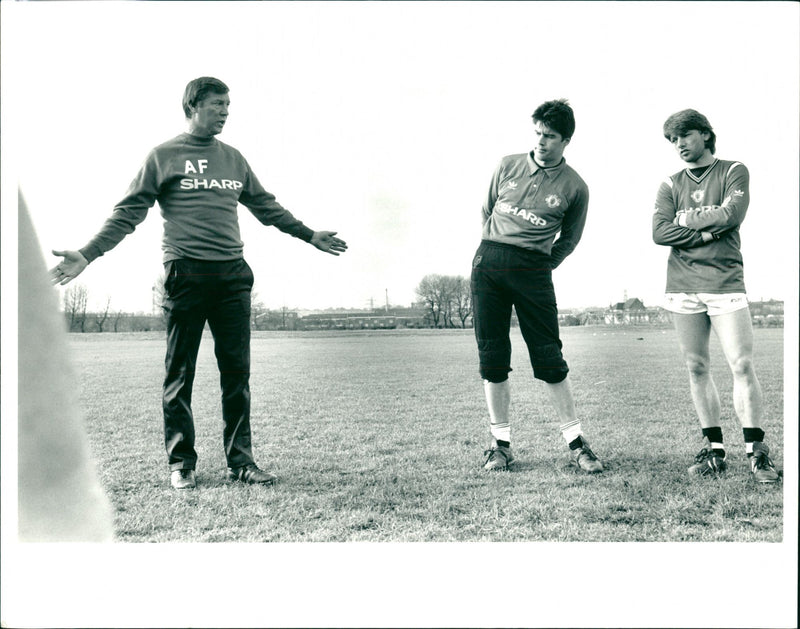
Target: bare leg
{"x":735,"y":333}
{"x":694,"y":331}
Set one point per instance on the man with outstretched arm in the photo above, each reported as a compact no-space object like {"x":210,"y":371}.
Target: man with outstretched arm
{"x":198,"y":183}
{"x":698,"y":214}
{"x":532,"y":219}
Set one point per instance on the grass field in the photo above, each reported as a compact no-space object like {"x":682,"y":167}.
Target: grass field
{"x":379,"y":437}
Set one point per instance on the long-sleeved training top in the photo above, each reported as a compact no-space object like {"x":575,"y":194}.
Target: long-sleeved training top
{"x":197,"y":183}
{"x":714,"y":201}
{"x":528,"y":206}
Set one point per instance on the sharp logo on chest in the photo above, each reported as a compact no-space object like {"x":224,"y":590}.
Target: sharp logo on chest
{"x":208,"y":184}
{"x":528,"y":215}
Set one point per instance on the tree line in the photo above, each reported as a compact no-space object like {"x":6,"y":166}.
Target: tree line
{"x":447,"y":299}
{"x":79,"y":319}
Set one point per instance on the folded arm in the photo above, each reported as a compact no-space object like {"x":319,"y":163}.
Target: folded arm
{"x":728,"y":215}
{"x":666,"y":232}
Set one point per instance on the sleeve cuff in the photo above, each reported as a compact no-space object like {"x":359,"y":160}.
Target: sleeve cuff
{"x":90,"y":252}
{"x":305,"y":233}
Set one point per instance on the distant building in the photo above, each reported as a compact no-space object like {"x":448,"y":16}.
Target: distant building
{"x":630,"y":311}
{"x":283,"y":319}
{"x":376,"y":319}
{"x":767,"y":313}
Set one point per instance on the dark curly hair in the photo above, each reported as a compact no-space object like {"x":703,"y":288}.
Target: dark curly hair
{"x":558,"y":115}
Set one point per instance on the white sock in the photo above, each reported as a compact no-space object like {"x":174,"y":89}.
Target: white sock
{"x":498,"y":398}
{"x":571,"y":430}
{"x":501,"y":432}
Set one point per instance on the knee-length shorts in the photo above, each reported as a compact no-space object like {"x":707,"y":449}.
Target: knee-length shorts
{"x":506,"y":276}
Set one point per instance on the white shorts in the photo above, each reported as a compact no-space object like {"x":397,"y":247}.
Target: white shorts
{"x":712,"y":303}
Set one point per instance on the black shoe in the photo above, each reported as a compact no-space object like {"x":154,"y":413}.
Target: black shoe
{"x":761,"y":465}
{"x":251,"y":475}
{"x":183,"y":479}
{"x":497,"y":457}
{"x":708,"y":463}
{"x":584,"y":459}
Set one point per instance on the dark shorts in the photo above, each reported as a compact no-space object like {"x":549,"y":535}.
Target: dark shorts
{"x":504,"y":276}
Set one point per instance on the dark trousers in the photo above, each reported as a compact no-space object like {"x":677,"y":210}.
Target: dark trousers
{"x":504,"y":276}
{"x":197,"y":291}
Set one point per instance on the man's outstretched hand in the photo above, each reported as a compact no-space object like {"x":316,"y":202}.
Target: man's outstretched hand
{"x":69,"y":268}
{"x":327,"y":242}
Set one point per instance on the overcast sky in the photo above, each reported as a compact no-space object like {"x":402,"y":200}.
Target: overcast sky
{"x":385,"y":121}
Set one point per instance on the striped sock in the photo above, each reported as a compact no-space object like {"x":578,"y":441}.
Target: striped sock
{"x":714,"y":436}
{"x":571,"y":431}
{"x":751,"y":435}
